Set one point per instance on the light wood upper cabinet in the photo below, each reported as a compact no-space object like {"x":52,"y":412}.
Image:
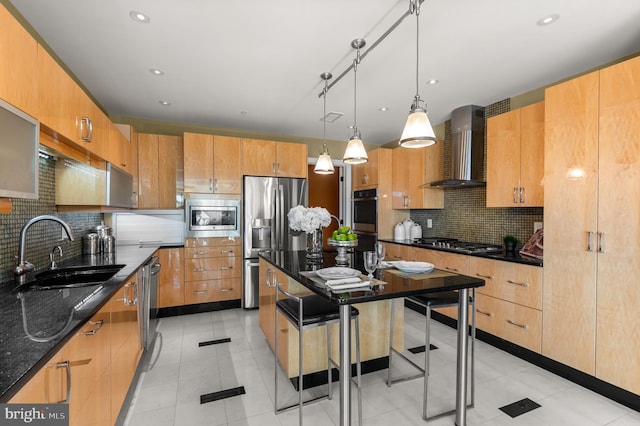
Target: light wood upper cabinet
{"x":412,"y":168}
{"x":515,"y":158}
{"x":212,"y":164}
{"x":66,"y":111}
{"x":366,"y":175}
{"x":160,"y":161}
{"x":270,"y":158}
{"x":18,"y":68}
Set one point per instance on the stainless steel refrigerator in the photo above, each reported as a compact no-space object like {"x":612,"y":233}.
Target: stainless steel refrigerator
{"x":266,"y":202}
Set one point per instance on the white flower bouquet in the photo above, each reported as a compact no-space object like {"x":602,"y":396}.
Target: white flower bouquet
{"x":308,"y":219}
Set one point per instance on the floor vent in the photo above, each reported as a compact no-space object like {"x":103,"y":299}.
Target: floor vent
{"x":520,"y":407}
{"x":420,"y":349}
{"x":227,"y":393}
{"x":214,"y":342}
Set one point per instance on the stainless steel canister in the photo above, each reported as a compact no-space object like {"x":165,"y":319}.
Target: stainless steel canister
{"x":91,"y":244}
{"x":103,"y":230}
{"x":108,"y":244}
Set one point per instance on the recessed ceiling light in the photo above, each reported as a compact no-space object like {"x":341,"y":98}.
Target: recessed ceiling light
{"x":156,"y":71}
{"x":432,"y":81}
{"x":547,"y":20}
{"x":383,"y":109}
{"x":165,"y":103}
{"x":139,"y":17}
{"x":243,"y":113}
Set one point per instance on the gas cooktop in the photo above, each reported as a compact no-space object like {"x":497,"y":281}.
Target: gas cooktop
{"x":457,"y":246}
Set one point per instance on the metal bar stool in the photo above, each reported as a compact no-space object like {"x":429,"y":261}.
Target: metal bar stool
{"x":304,"y":312}
{"x":429,"y":302}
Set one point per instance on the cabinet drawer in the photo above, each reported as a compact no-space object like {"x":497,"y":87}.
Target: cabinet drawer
{"x":212,"y":268}
{"x":212,"y":290}
{"x":515,"y":323}
{"x":211,"y":242}
{"x":521,"y":284}
{"x":211,"y":251}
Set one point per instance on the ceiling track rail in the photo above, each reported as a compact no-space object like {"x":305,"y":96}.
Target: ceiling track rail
{"x":366,"y":52}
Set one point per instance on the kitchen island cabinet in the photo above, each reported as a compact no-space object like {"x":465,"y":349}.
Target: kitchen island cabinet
{"x":515,"y":158}
{"x":271,"y":158}
{"x":171,"y":277}
{"x":374,"y":326}
{"x":591,"y":298}
{"x":212,"y":164}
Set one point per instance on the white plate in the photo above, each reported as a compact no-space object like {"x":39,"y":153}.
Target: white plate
{"x":413,"y":267}
{"x":337,"y":272}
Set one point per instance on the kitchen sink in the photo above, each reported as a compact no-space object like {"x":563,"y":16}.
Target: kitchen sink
{"x":71,"y":277}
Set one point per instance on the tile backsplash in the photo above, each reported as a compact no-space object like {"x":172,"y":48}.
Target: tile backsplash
{"x":465,"y":215}
{"x":43,"y":236}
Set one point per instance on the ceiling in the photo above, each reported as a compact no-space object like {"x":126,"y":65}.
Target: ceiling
{"x":255,"y":65}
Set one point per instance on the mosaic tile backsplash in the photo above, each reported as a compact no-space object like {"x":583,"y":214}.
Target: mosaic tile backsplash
{"x":465,"y":215}
{"x":43,"y":236}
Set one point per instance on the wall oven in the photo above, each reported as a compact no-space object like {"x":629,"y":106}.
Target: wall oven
{"x":365,"y":222}
{"x":212,"y":217}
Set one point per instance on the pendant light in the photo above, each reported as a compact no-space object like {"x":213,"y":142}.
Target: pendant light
{"x":324,"y":165}
{"x":355,"y":152}
{"x":417,"y":131}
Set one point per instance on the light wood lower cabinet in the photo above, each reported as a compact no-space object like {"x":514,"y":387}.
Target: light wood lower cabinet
{"x":171,"y":289}
{"x":47,"y":386}
{"x":212,"y":270}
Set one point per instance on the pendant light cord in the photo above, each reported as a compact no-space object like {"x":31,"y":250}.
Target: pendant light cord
{"x":356,"y":61}
{"x":415,"y":5}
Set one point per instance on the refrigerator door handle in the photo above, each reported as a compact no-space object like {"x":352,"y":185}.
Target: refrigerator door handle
{"x":275,"y":240}
{"x":281,"y":215}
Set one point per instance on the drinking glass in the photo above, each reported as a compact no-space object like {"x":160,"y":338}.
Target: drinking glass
{"x":370,"y":263}
{"x":380,"y":252}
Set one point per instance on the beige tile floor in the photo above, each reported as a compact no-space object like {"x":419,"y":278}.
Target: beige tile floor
{"x":169,"y":392}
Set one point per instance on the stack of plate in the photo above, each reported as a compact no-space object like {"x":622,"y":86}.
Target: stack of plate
{"x":412,"y":267}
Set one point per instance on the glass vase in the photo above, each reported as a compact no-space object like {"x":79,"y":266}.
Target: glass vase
{"x":314,"y":246}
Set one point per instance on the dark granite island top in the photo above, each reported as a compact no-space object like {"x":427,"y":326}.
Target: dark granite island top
{"x":34,"y":325}
{"x":395,"y":285}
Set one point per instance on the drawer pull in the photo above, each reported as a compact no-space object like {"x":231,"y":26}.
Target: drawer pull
{"x":523,"y":326}
{"x":95,"y":330}
{"x":489,"y":314}
{"x":524,"y":285}
{"x":227,"y":251}
{"x":488,"y":277}
{"x":200,"y":270}
{"x":226,"y":268}
{"x":200,"y":253}
{"x":226,"y":289}
{"x":67,"y":366}
{"x":452,"y":269}
{"x":201,"y":292}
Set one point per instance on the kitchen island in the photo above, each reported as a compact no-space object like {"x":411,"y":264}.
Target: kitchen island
{"x":393,"y":285}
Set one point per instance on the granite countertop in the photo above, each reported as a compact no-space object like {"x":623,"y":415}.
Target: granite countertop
{"x":34,"y":325}
{"x":392,"y":284}
{"x":514,"y":257}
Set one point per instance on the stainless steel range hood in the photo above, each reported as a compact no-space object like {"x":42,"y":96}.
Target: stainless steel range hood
{"x":467,"y":149}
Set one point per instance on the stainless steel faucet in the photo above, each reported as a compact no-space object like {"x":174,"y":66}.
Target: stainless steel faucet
{"x":24,"y":266}
{"x":52,"y":257}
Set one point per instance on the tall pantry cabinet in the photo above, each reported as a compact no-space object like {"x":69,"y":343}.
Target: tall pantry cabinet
{"x":592,"y":233}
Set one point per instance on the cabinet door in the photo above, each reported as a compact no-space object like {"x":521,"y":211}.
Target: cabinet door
{"x":407,"y":167}
{"x":291,"y":159}
{"x":88,"y":353}
{"x":47,"y":386}
{"x":198,"y":163}
{"x":258,"y":157}
{"x":118,"y":149}
{"x":100,"y":123}
{"x":148,"y":194}
{"x":532,"y":155}
{"x":19,"y":53}
{"x":571,"y":160}
{"x":171,"y":277}
{"x":133,"y":161}
{"x":365,"y":175}
{"x":618,"y":298}
{"x":227,"y":171}
{"x":503,"y":159}
{"x":170,"y":171}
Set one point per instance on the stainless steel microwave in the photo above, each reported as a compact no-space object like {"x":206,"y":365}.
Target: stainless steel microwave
{"x":212,"y":218}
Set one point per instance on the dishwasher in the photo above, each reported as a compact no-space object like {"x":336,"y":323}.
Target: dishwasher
{"x":149,"y":312}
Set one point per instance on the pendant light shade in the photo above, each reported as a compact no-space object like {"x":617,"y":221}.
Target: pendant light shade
{"x":418,"y":131}
{"x":355,"y":152}
{"x":324,"y":165}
